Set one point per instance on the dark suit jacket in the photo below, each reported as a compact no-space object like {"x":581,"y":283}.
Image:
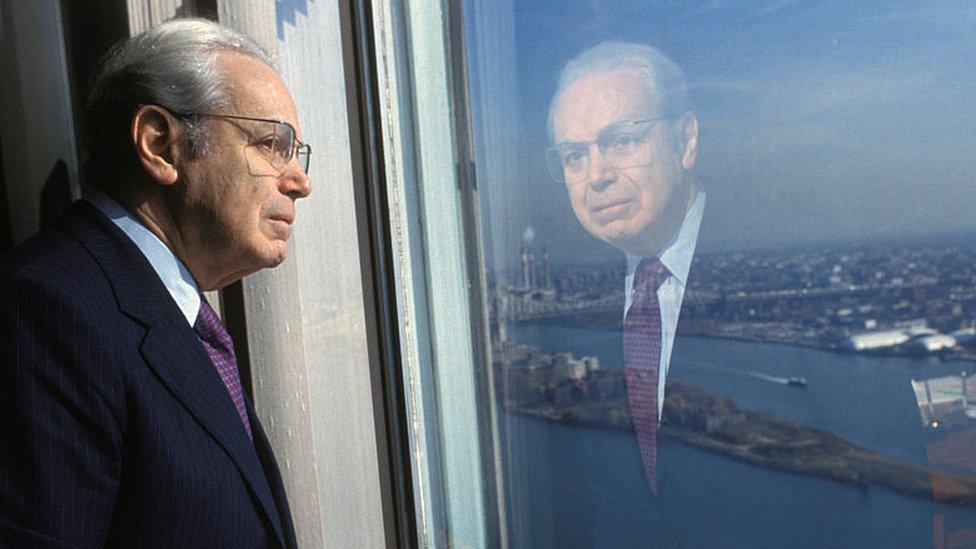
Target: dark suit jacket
{"x":115,"y":428}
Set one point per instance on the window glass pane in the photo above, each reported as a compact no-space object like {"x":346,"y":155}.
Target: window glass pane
{"x":730,"y":269}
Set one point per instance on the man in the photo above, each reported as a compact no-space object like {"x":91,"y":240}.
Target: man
{"x":624,"y":144}
{"x":124,"y":422}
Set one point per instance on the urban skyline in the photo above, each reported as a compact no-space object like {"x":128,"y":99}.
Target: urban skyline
{"x":822,"y":298}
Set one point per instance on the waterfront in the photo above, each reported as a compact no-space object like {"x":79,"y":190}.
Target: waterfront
{"x":561,"y":477}
{"x":905,"y":299}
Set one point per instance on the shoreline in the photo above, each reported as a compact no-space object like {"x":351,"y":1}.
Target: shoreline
{"x":715,"y":424}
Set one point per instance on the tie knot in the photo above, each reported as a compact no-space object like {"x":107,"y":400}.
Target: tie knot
{"x":210,"y":329}
{"x":650,"y":274}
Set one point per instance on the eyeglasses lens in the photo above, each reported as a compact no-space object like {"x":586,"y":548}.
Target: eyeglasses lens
{"x":284,"y":145}
{"x":304,"y":156}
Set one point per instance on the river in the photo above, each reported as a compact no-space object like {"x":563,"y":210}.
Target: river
{"x":562,"y":482}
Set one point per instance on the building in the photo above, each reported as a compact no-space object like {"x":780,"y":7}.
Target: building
{"x":933,"y":343}
{"x":875,"y":340}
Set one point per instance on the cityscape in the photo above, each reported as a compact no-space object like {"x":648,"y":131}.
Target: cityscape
{"x":897,"y":299}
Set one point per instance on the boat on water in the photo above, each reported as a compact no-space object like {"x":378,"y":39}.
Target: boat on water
{"x":797,"y":381}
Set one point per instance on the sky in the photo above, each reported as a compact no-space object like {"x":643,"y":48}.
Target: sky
{"x":822,"y":122}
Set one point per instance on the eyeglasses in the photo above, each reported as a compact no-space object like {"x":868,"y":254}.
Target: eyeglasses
{"x":279,"y":147}
{"x":622,"y":145}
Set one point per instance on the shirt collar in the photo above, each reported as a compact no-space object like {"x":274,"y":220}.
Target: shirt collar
{"x":174,"y":274}
{"x":678,"y":253}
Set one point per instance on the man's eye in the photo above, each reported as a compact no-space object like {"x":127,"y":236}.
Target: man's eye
{"x":267,"y":144}
{"x":572,"y":158}
{"x":622,"y":141}
{"x":282,"y":148}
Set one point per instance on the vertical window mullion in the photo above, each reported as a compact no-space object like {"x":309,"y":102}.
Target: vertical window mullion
{"x":436,"y":278}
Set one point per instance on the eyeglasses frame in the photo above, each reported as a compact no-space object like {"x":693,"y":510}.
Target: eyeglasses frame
{"x":553,"y":148}
{"x":297,"y":149}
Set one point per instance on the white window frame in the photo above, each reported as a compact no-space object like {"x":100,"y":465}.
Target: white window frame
{"x":452,"y":438}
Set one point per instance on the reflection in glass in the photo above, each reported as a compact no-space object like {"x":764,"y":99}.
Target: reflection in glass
{"x":788,"y":366}
{"x":623,"y":145}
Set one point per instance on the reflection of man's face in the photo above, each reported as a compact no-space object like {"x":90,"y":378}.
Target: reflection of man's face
{"x":635,"y":204}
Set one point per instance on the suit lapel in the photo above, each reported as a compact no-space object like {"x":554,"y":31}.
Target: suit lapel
{"x":170,"y":347}
{"x":180,"y":362}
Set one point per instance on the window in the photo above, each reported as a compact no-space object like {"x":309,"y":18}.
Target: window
{"x":708,"y":282}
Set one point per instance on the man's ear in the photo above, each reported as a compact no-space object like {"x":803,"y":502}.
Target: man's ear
{"x":689,"y":139}
{"x":156,"y":136}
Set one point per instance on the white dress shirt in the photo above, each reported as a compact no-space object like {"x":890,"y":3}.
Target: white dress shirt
{"x":676,"y":257}
{"x":174,"y":274}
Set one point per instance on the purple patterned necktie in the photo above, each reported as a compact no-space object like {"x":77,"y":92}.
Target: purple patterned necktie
{"x":220,"y":348}
{"x":642,"y":358}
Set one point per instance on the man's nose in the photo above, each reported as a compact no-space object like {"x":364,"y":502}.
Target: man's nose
{"x":294,"y":181}
{"x":600,"y":172}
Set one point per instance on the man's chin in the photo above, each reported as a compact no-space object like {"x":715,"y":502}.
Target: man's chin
{"x":631,"y":243}
{"x":273,"y":254}
{"x":615,"y":233}
{"x":278,"y":258}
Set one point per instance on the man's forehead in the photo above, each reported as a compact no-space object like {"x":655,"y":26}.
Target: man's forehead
{"x":256,"y":89}
{"x":600,"y":98}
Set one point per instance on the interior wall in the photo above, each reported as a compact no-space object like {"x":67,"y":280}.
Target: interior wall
{"x":40,"y":165}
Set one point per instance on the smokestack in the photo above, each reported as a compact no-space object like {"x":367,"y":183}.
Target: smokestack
{"x":529,"y":273}
{"x":546,"y":277}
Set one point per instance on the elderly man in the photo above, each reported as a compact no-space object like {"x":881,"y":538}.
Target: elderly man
{"x":124,"y":421}
{"x":624,"y":144}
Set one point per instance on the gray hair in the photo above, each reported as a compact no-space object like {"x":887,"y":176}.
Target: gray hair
{"x":665,"y":77}
{"x":173,"y":65}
